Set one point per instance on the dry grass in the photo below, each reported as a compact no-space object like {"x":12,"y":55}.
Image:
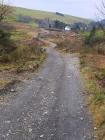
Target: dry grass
{"x":71,"y":43}
{"x":93,"y":71}
{"x":26,"y":58}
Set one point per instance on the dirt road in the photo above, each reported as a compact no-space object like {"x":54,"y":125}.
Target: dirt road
{"x":48,"y":106}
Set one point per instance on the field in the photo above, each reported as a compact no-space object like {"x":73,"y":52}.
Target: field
{"x":42,"y":15}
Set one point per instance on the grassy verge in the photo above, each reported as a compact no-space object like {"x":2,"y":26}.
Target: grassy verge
{"x":93,"y":72}
{"x":92,"y":61}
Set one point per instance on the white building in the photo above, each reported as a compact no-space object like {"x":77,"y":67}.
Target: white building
{"x":67,"y":28}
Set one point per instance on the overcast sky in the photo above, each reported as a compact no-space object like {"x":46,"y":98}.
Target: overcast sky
{"x":81,"y":8}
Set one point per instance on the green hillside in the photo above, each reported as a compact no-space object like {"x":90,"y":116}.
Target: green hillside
{"x":42,"y":14}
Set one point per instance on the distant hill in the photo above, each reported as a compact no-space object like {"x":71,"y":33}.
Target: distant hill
{"x":36,"y":14}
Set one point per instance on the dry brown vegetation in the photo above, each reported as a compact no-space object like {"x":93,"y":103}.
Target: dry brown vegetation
{"x":70,"y":43}
{"x":93,"y":71}
{"x":27,"y":55}
{"x":92,"y":60}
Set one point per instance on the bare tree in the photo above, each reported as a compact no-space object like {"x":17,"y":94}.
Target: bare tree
{"x":5,"y":10}
{"x":101,"y":15}
{"x":101,"y":8}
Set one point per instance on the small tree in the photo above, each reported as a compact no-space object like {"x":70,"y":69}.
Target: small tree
{"x":59,"y":24}
{"x":101,"y":9}
{"x":5,"y":10}
{"x":90,"y":39}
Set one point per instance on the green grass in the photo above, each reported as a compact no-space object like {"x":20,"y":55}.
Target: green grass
{"x":93,"y":77}
{"x":98,"y":34}
{"x":94,"y":41}
{"x":15,"y":36}
{"x":42,"y":15}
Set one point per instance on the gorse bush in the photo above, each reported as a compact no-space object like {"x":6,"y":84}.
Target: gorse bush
{"x":95,"y":36}
{"x":95,"y":41}
{"x":22,"y":53}
{"x":6,"y":44}
{"x":4,"y":34}
{"x":90,"y":37}
{"x":70,"y":45}
{"x":13,"y":51}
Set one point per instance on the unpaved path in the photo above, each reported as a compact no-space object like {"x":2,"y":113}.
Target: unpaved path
{"x":49,"y":106}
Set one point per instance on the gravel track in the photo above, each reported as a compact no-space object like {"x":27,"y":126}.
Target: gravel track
{"x":48,"y":106}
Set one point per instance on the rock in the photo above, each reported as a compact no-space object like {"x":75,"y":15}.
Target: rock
{"x":81,"y":106}
{"x":84,"y":137}
{"x":30,"y":130}
{"x":7,"y":134}
{"x":40,"y":78}
{"x":95,"y":136}
{"x":95,"y":128}
{"x":81,"y":119}
{"x":7,"y":122}
{"x":41,"y":136}
{"x":12,"y":90}
{"x":30,"y":67}
{"x":45,"y":113}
